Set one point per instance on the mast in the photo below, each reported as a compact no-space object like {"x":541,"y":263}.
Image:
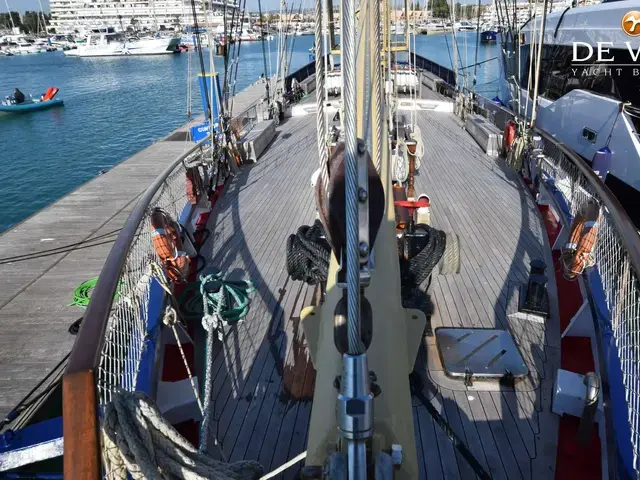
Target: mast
{"x":44,"y":20}
{"x":13,"y":25}
{"x":153,"y":13}
{"x":455,"y":43}
{"x":475,"y":66}
{"x":538,"y":60}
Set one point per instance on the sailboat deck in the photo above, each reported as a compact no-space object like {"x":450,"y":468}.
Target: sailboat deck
{"x":264,"y":380}
{"x":511,"y":432}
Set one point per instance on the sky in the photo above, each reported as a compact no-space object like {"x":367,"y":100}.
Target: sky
{"x":22,"y":5}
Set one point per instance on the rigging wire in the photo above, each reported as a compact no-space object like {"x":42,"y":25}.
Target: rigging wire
{"x":282,"y":54}
{"x":538,"y":61}
{"x":479,"y":63}
{"x":264,"y":53}
{"x":228,"y":38}
{"x":189,"y":77}
{"x":198,"y":47}
{"x":291,"y":40}
{"x":327,"y":52}
{"x":377,"y":87}
{"x":229,"y":52}
{"x":532,"y":55}
{"x":237,"y":60}
{"x":269,"y":53}
{"x":466,"y":49}
{"x":348,"y":52}
{"x":475,"y":66}
{"x":320,"y":92}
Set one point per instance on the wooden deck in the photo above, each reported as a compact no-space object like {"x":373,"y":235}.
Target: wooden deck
{"x":264,"y":380}
{"x":35,"y":293}
{"x":512,"y":433}
{"x":263,"y":377}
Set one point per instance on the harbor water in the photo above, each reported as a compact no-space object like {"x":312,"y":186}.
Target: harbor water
{"x":116,"y":106}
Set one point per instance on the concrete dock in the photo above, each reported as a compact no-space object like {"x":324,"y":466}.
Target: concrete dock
{"x":35,"y":292}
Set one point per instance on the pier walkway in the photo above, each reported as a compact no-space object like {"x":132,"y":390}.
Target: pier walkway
{"x":44,"y":258}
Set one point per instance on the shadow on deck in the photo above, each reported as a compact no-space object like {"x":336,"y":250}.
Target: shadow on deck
{"x":263,"y":377}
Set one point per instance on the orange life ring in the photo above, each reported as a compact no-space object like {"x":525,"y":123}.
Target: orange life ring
{"x":577,"y":253}
{"x":509,"y":136}
{"x":168,"y":245}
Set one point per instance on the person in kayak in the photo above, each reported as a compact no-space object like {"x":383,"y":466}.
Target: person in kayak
{"x":18,"y":96}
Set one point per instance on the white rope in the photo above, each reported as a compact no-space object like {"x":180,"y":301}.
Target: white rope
{"x":171,"y":319}
{"x":417,"y":134}
{"x":401,"y":162}
{"x":284,"y":467}
{"x":140,"y":442}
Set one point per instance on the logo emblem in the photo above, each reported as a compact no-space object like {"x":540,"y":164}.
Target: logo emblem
{"x":631,"y":23}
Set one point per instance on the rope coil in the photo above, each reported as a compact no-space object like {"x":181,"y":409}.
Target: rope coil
{"x":416,"y":271}
{"x":82,"y":294}
{"x":138,"y":441}
{"x":308,"y":254}
{"x":225,"y":302}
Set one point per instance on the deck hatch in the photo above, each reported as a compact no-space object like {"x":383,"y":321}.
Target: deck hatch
{"x":479,"y":352}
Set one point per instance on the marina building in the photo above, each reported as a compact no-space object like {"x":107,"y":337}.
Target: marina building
{"x":68,"y":16}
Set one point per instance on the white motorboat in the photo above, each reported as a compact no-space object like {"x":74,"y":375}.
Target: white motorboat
{"x":248,"y":35}
{"x":465,"y":26}
{"x":63,"y":42}
{"x":106,"y":42}
{"x":20,"y":45}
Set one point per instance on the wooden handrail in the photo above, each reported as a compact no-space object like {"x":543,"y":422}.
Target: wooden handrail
{"x":80,"y":427}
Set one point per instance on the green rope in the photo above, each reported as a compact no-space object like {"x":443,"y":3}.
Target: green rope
{"x":82,"y":294}
{"x":227,"y":300}
{"x":190,"y":302}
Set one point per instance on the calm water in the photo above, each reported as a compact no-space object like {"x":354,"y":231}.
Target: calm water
{"x":114,"y":107}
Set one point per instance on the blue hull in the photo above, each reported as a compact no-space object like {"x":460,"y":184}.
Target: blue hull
{"x":488,"y":36}
{"x":31,"y":107}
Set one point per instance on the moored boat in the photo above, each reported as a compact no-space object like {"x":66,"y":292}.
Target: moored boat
{"x":587,"y":100}
{"x":45,"y":102}
{"x":30,"y":107}
{"x":488,"y":37}
{"x":107,"y":42}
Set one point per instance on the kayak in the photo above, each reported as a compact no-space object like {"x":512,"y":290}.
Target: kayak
{"x":30,"y":107}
